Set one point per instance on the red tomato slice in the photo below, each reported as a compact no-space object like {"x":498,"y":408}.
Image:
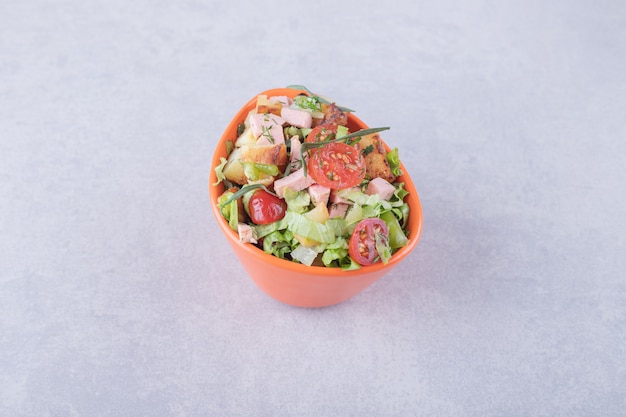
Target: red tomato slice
{"x":320,"y":133}
{"x":362,"y":247}
{"x":265,"y":208}
{"x":337,"y":166}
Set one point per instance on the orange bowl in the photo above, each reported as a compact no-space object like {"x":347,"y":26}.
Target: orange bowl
{"x":291,"y":282}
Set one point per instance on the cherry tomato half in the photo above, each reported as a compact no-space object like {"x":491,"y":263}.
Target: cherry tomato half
{"x":265,"y":208}
{"x":337,"y":165}
{"x":362,"y":247}
{"x":320,"y":133}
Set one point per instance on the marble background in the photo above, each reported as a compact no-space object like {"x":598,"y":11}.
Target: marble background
{"x":119,"y":297}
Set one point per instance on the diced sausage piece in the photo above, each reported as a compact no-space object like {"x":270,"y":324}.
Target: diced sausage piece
{"x":273,"y":135}
{"x":319,"y":194}
{"x":246,"y":234}
{"x":266,"y":123}
{"x":295,"y":152}
{"x":382,"y":187}
{"x":338,"y":210}
{"x":296,"y":117}
{"x":296,"y":181}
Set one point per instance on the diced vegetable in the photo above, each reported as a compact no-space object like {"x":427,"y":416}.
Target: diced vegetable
{"x":279,"y":174}
{"x":397,"y":238}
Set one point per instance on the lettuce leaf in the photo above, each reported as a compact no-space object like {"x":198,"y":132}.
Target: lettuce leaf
{"x":219,"y":171}
{"x":335,"y":252}
{"x":301,"y":225}
{"x":394,"y":162}
{"x":297,"y":201}
{"x":263,"y":230}
{"x":348,"y":264}
{"x":341,"y":131}
{"x":354,"y":214}
{"x":382,"y":247}
{"x":230,"y":211}
{"x":304,"y":255}
{"x":278,"y":244}
{"x":338,"y":226}
{"x":255,"y":171}
{"x":397,"y":238}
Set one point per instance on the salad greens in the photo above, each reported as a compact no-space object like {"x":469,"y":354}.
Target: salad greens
{"x":311,"y":231}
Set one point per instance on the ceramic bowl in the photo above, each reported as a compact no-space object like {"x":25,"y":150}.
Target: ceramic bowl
{"x":294,"y":283}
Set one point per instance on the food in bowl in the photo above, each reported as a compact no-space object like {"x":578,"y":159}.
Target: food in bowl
{"x":304,"y":183}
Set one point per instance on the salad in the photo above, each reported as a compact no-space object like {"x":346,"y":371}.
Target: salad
{"x":301,"y":186}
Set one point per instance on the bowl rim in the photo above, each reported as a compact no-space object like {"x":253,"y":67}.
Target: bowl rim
{"x":291,"y":266}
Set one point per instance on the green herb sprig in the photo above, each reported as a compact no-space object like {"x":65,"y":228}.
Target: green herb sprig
{"x":267,"y":132}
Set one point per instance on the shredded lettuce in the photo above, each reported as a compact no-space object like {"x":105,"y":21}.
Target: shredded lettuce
{"x":354,"y":214}
{"x":373,"y":210}
{"x":254,"y":171}
{"x":333,"y":235}
{"x":401,"y":213}
{"x":297,"y":201}
{"x":230,"y":211}
{"x":397,"y":238}
{"x":305,"y":227}
{"x":341,"y":131}
{"x":361,"y":198}
{"x":400,"y":192}
{"x":337,"y":226}
{"x":304,"y":255}
{"x":382,"y":247}
{"x":219,"y":171}
{"x":278,"y":244}
{"x":305,"y":131}
{"x":263,"y":230}
{"x":349,"y":264}
{"x":335,"y":252}
{"x":399,"y":208}
{"x":297,"y":237}
{"x":394,"y":162}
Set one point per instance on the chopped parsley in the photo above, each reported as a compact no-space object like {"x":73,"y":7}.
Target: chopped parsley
{"x":311,"y":103}
{"x":366,"y":151}
{"x":241,"y":127}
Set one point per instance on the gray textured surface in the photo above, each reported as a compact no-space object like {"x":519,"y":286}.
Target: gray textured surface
{"x":118,"y":296}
